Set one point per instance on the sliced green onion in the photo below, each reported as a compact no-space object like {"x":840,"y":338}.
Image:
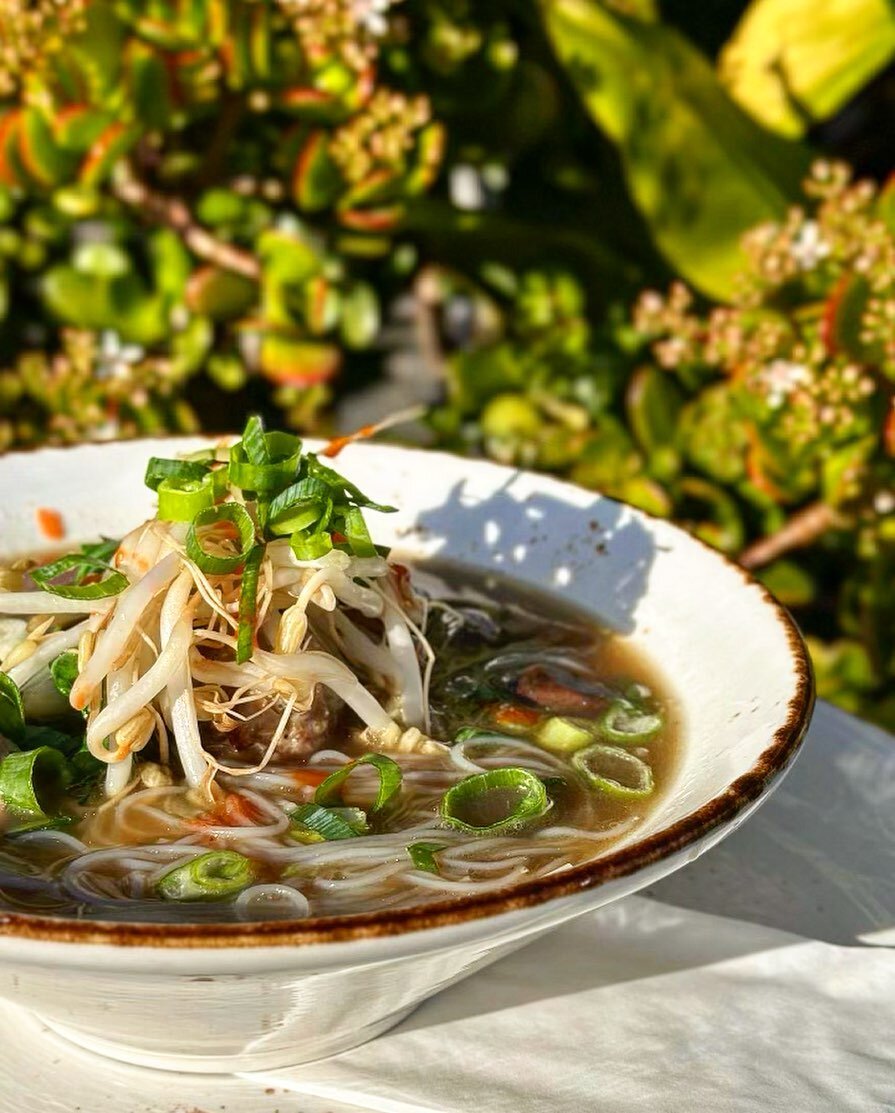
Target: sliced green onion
{"x":390,"y":777}
{"x":159,"y":469}
{"x":180,"y":500}
{"x":614,"y":771}
{"x":32,"y":783}
{"x":254,"y":442}
{"x":112,"y":583}
{"x":213,"y":876}
{"x":212,"y":516}
{"x":64,"y":671}
{"x":328,"y":824}
{"x":12,"y":709}
{"x":422,"y":854}
{"x":628,"y":724}
{"x":268,"y":473}
{"x":355,"y":530}
{"x":310,"y":546}
{"x":331,"y":477}
{"x":495,"y":802}
{"x":299,"y":506}
{"x":562,"y":735}
{"x":248,"y":605}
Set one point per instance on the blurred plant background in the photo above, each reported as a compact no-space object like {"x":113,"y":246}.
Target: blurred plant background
{"x":648,"y":246}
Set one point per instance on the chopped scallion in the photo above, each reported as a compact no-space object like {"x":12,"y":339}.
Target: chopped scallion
{"x":217,"y":563}
{"x":390,"y":777}
{"x":64,"y":671}
{"x":159,"y":469}
{"x":248,"y":605}
{"x":614,"y":771}
{"x":32,"y":782}
{"x":328,"y":824}
{"x":12,"y":709}
{"x":495,"y":802}
{"x":213,"y":876}
{"x":628,"y":724}
{"x":180,"y":500}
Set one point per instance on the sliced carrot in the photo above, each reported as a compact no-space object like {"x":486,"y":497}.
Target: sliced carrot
{"x":510,"y":715}
{"x":50,"y":524}
{"x":235,"y":810}
{"x":311,"y":777}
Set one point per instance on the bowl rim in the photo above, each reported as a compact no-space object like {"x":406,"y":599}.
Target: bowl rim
{"x":691,"y":828}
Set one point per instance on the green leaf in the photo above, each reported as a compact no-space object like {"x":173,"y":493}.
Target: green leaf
{"x":292,"y":361}
{"x":653,"y":403}
{"x":148,"y":81}
{"x":791,"y":63}
{"x":700,"y":170}
{"x":361,"y":317}
{"x":316,"y":180}
{"x":220,"y":294}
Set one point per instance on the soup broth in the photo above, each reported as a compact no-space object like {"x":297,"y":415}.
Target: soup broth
{"x":548,"y":739}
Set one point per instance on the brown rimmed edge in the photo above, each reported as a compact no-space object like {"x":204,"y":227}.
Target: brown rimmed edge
{"x":372,"y":925}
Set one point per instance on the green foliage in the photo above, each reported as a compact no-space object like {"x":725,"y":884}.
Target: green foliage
{"x":208,"y":207}
{"x":771,"y":416}
{"x":210,"y":188}
{"x":700,"y":170}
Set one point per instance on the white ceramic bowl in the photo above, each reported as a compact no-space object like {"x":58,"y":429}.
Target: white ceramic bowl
{"x":243,"y":997}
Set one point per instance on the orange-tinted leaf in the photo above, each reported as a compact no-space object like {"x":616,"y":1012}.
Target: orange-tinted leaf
{"x":291,"y":361}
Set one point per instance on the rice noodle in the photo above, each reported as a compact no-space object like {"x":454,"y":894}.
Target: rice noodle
{"x":257,"y":897}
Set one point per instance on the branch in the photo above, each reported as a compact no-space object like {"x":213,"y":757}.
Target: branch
{"x":174,"y":213}
{"x":802,"y":529}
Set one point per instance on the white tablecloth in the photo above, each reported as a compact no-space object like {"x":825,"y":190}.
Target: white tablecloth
{"x":758,"y":979}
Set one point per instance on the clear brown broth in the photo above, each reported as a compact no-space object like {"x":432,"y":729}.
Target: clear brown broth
{"x":30,"y":875}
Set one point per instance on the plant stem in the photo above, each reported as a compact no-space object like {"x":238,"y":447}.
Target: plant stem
{"x":174,"y":212}
{"x":803,"y":528}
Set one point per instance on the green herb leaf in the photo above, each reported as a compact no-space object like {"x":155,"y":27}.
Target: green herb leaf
{"x":112,"y":582}
{"x":422,"y":854}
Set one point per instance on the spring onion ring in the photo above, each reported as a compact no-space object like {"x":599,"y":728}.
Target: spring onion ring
{"x":615,"y":772}
{"x":212,"y":516}
{"x":520,"y":794}
{"x":213,"y":876}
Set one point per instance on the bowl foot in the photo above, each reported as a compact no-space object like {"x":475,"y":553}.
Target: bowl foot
{"x":240,"y":1061}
